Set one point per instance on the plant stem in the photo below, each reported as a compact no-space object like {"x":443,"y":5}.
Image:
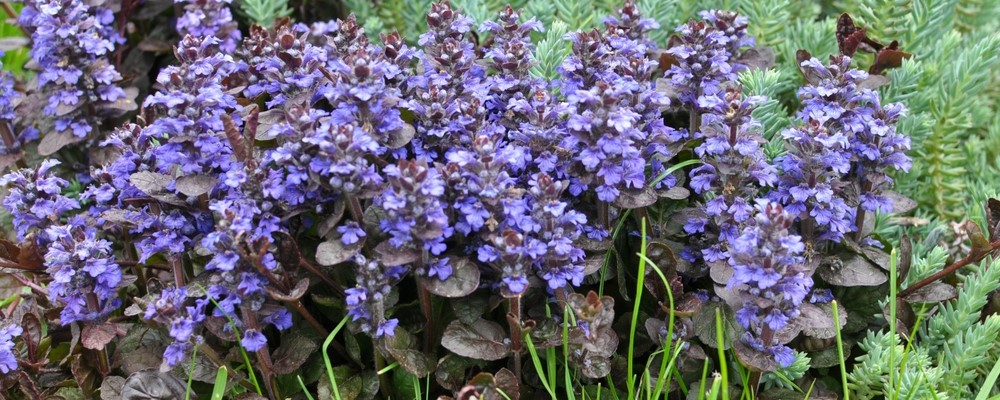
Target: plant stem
{"x":428,"y":310}
{"x":297,"y":305}
{"x":9,"y":140}
{"x":178,"y":267}
{"x":262,"y":355}
{"x":969,"y":259}
{"x":859,"y":220}
{"x":514,"y":320}
{"x":305,"y":264}
{"x":354,"y":205}
{"x":13,"y":15}
{"x":694,"y":122}
{"x":382,"y":378}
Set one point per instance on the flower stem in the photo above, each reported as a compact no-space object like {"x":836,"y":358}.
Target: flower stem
{"x":514,"y":320}
{"x":178,"y":267}
{"x":859,"y":220}
{"x":969,"y":259}
{"x":428,"y":309}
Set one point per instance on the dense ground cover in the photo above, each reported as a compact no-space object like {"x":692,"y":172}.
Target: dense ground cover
{"x":570,"y":199}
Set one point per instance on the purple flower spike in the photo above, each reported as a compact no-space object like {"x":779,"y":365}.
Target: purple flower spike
{"x":35,"y":199}
{"x":209,"y":18}
{"x":769,"y":272}
{"x":71,"y":44}
{"x":415,"y":205}
{"x":366,"y":301}
{"x":85,"y":277}
{"x":734,"y":170}
{"x":707,"y":54}
{"x":848,"y":140}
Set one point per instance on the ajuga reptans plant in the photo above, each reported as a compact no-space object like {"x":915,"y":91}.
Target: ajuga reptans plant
{"x":478,"y":192}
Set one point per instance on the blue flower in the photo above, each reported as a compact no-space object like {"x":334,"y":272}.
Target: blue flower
{"x":8,"y":360}
{"x":253,"y":340}
{"x":350,"y":233}
{"x":386,"y":328}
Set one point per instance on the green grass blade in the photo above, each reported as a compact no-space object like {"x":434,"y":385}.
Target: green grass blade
{"x":840,"y":351}
{"x":990,"y":382}
{"x":567,"y":377}
{"x":892,"y":326}
{"x":538,"y":365}
{"x":639,"y":281}
{"x":720,"y":342}
{"x":326,"y":358}
{"x":303,"y":386}
{"x":221,"y":377}
{"x":239,"y":339}
{"x":187,"y":389}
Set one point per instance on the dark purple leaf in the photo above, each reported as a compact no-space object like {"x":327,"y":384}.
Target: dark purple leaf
{"x":935,"y":292}
{"x":674,"y":193}
{"x":816,"y":320}
{"x":153,"y":385}
{"x":482,"y":340}
{"x":392,"y":257}
{"x":592,"y":264}
{"x":900,"y":204}
{"x":266,"y":120}
{"x":149,"y":183}
{"x":464,"y":280}
{"x":993,"y":218}
{"x":980,"y":245}
{"x":236,"y":140}
{"x":195,"y":185}
{"x":7,"y":160}
{"x":250,"y":396}
{"x":13,"y":43}
{"x":32,"y":335}
{"x":53,"y":141}
{"x":297,"y":292}
{"x":705,"y":328}
{"x":402,"y":348}
{"x":507,"y":382}
{"x":469,"y":309}
{"x":589,"y":244}
{"x":851,"y":270}
{"x":720,"y":272}
{"x":111,"y":388}
{"x":905,"y":259}
{"x":124,"y":104}
{"x":327,"y":225}
{"x":294,"y":351}
{"x":874,"y":82}
{"x":451,"y":369}
{"x":758,"y":57}
{"x":595,"y":367}
{"x":154,"y":45}
{"x":141,"y":348}
{"x":753,"y":359}
{"x":96,"y":336}
{"x":828,"y":357}
{"x":636,"y":198}
{"x":400,"y":137}
{"x":333,"y":252}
